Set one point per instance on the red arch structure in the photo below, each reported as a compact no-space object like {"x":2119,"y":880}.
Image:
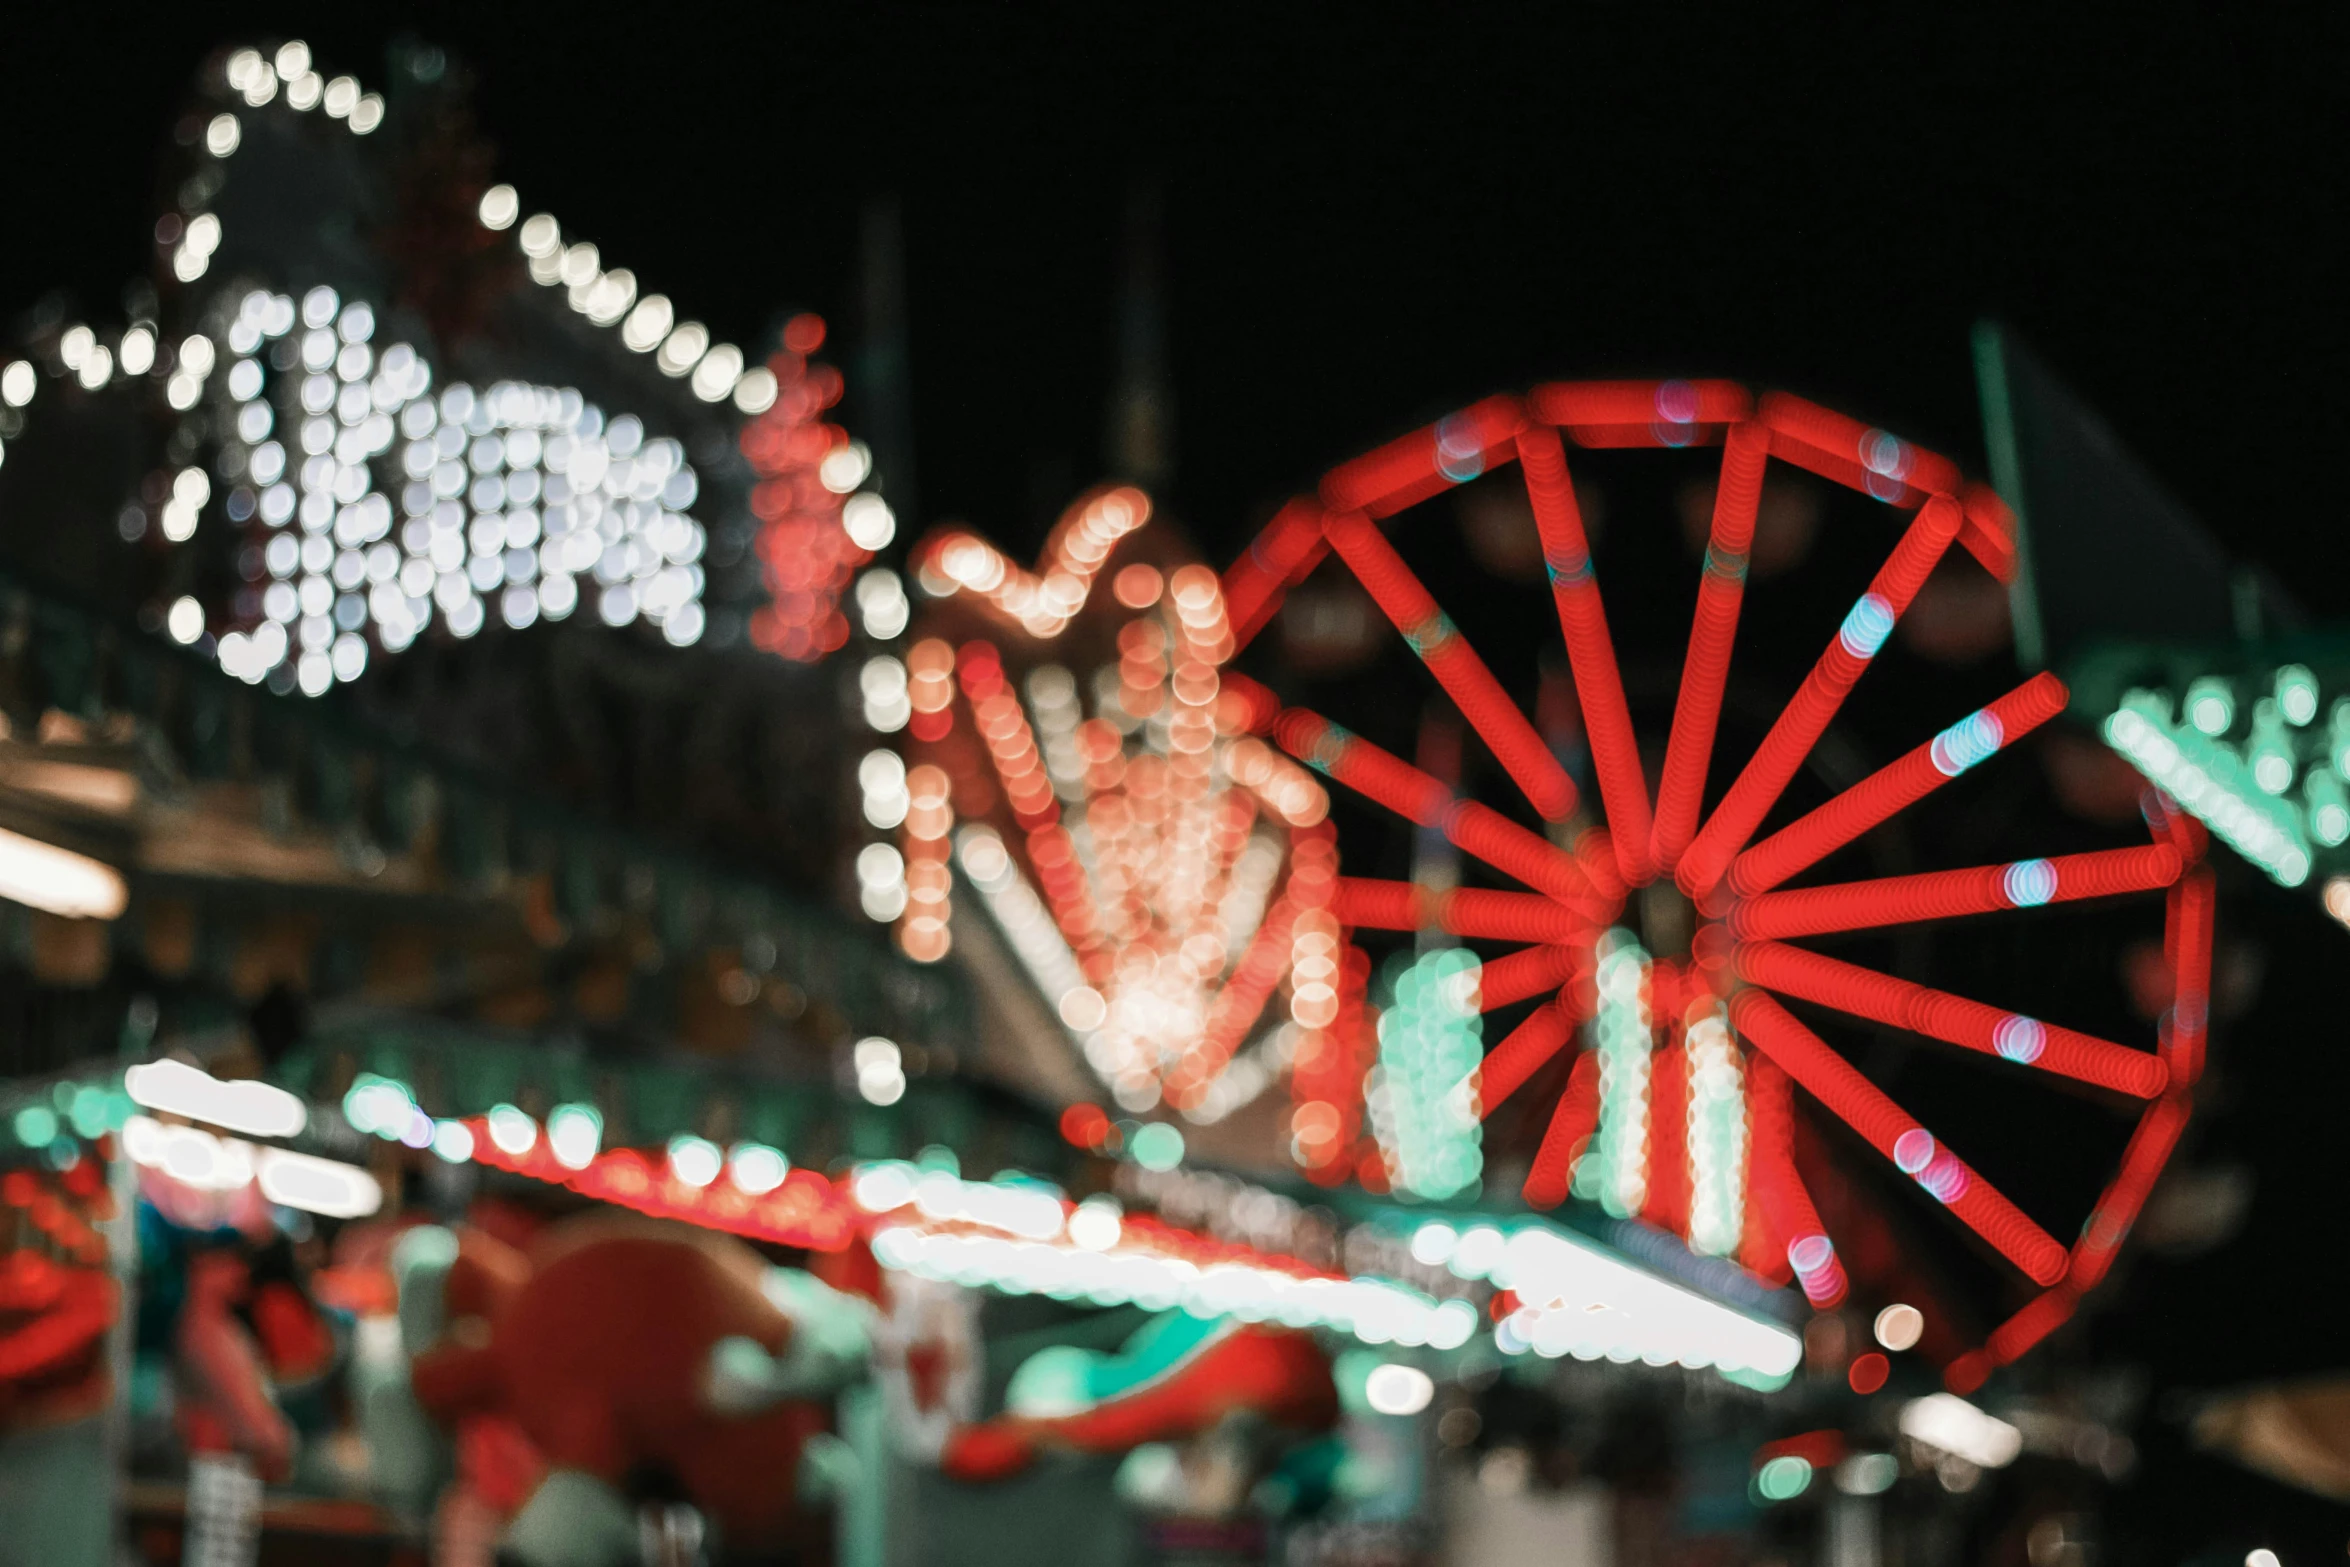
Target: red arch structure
{"x":1579,"y":871}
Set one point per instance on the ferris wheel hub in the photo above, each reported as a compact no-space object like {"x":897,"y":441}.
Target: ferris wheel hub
{"x":1665,"y":917}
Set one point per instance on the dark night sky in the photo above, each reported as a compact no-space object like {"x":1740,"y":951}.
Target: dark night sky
{"x":1369,"y":222}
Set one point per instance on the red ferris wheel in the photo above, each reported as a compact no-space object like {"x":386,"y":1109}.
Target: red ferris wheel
{"x":1665,"y":933}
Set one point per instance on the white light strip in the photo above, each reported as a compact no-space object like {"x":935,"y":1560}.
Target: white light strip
{"x":1045,"y":1249}
{"x":196,"y":1158}
{"x":1373,"y":1310}
{"x":1583,"y":1302}
{"x":254,"y":1108}
{"x":322,"y":1186}
{"x":1022,"y":916}
{"x":1031,"y":1211}
{"x":1957,"y":1427}
{"x":59,"y":881}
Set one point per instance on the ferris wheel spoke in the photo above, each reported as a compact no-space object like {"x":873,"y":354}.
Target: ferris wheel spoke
{"x":1523,"y":1052}
{"x":1934,"y":895}
{"x":1591,"y":655}
{"x":1586,"y":879}
{"x":1796,"y":1236}
{"x":1526,"y":973}
{"x":1883,"y":998}
{"x":1456,"y":666}
{"x":1860,"y":1104}
{"x":1569,"y":1132}
{"x":2189,"y":836}
{"x":1790,"y":740}
{"x":2038,"y":1318}
{"x":1369,"y":770}
{"x":1478,"y":913}
{"x":1720,"y":591}
{"x":1898,"y":785}
{"x":1387,"y":779}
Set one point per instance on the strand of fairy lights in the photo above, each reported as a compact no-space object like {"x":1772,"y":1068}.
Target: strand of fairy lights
{"x":320,"y":608}
{"x":1168,"y":871}
{"x":1621,"y":1033}
{"x":1023,"y":1238}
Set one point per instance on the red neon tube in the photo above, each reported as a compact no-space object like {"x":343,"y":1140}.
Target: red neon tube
{"x":1279,"y":559}
{"x":1667,"y":1206}
{"x":1501,"y":843}
{"x":2142,"y":1161}
{"x":1522,"y":1053}
{"x":2188,"y":936}
{"x":1898,"y":785}
{"x":1935,"y":895}
{"x":1242,"y":705}
{"x":1571,"y":1125}
{"x":1414,"y":795}
{"x":2186,"y":834}
{"x":1789,"y":1218}
{"x":1720,"y":591}
{"x":1363,"y":767}
{"x":1455,"y":665}
{"x":1810,"y":429}
{"x":1595,"y":854}
{"x":1823,"y":691}
{"x":1639,"y":403}
{"x":1591,"y":656}
{"x":1989,"y":530}
{"x":2016,"y":1336}
{"x":1952,"y":1019}
{"x":1861,"y":1105}
{"x":1378,"y":905}
{"x":1487,"y":914}
{"x":1427,"y":461}
{"x":1530,"y":971}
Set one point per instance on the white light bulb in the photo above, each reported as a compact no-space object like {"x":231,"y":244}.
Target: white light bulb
{"x":500,"y":206}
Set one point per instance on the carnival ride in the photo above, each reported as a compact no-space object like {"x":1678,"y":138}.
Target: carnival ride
{"x":1665,"y":925}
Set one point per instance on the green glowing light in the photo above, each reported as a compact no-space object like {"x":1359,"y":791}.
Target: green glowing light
{"x":89,"y":1110}
{"x":2211,"y":705}
{"x":1717,"y":1137}
{"x":1783,"y":1478}
{"x":36,"y":1126}
{"x":2271,"y":749}
{"x":2212,"y":783}
{"x":2296,"y":694}
{"x":1431,"y":1039}
{"x":1616,"y":1170}
{"x":2328,"y":805}
{"x":1157,"y":1146}
{"x":380,"y":1105}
